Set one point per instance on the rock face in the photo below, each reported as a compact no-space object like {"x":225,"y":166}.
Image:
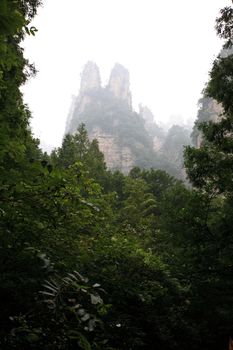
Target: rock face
{"x":116,"y":157}
{"x":90,"y":78}
{"x":157,"y":143}
{"x":102,"y":110}
{"x":119,"y":84}
{"x":90,"y":81}
{"x":126,"y":138}
{"x":70,"y":114}
{"x":209,"y":110}
{"x":214,"y":111}
{"x":147,"y":115}
{"x":152,"y":128}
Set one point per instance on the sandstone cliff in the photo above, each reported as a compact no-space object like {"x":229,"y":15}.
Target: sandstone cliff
{"x":126,"y":138}
{"x":156,"y":133}
{"x":119,"y":84}
{"x":105,"y":110}
{"x":90,"y":78}
{"x":209,"y":110}
{"x":116,"y":157}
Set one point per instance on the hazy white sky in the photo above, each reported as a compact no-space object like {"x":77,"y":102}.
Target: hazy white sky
{"x":167,"y":45}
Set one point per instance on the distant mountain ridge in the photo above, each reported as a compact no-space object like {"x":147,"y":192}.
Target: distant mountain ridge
{"x":126,"y":138}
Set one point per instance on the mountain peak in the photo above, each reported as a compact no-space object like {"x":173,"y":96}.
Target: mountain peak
{"x":90,"y":77}
{"x":119,"y":83}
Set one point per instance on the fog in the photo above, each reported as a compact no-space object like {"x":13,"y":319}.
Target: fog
{"x":167,"y":46}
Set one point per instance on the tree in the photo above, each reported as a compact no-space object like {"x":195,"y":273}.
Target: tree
{"x":210,"y":166}
{"x":74,"y":148}
{"x":210,"y":170}
{"x":78,"y":148}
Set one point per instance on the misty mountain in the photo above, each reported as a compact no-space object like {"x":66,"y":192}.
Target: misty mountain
{"x":125,"y":137}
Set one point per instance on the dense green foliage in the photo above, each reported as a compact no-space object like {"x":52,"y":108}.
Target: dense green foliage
{"x":91,"y":259}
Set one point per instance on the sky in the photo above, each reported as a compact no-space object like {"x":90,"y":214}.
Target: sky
{"x":168,"y":47}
